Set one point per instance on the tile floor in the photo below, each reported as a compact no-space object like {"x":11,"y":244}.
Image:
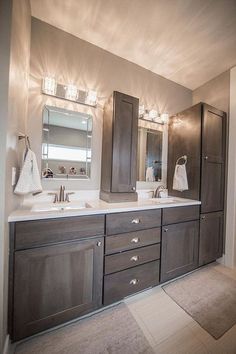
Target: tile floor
{"x":170,"y":330}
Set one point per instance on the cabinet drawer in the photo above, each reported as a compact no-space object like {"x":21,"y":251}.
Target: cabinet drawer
{"x":180,"y":214}
{"x":131,"y":240}
{"x":127,"y":282}
{"x":124,"y":260}
{"x":40,"y":232}
{"x":132,"y":221}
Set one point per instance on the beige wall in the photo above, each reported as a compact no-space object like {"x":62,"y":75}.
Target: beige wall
{"x":5,"y":28}
{"x":214,"y":92}
{"x":73,"y":60}
{"x":231,"y":195}
{"x":13,"y":114}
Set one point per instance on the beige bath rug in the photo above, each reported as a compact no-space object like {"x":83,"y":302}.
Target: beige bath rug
{"x":113,"y":331}
{"x":209,"y":297}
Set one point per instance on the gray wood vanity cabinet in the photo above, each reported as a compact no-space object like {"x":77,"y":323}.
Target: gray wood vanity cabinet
{"x":56,"y":272}
{"x":64,"y":268}
{"x":180,"y":238}
{"x":132,"y":253}
{"x":200,"y":133}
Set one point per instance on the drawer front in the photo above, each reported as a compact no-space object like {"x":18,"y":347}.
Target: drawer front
{"x":40,"y":232}
{"x":124,"y":260}
{"x":127,"y":282}
{"x":132,"y":221}
{"x":180,"y":214}
{"x":131,"y":240}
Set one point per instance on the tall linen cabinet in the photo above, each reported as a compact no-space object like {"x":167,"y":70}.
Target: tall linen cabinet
{"x":199,"y":132}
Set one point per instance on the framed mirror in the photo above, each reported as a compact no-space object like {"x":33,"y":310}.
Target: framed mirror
{"x":152,"y":152}
{"x":66,"y":144}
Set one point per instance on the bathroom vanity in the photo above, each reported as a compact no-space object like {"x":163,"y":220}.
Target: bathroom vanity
{"x":68,"y":264}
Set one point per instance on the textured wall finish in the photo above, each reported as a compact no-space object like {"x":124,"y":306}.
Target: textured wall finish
{"x":215,"y":92}
{"x":187,"y":41}
{"x":13,"y":113}
{"x":72,"y":60}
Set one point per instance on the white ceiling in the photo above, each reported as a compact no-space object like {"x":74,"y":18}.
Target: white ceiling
{"x":187,"y":41}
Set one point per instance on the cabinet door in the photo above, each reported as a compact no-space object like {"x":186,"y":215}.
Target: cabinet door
{"x":55,"y":284}
{"x":179,"y":249}
{"x":211,"y":237}
{"x":213,"y":156}
{"x":125,"y":131}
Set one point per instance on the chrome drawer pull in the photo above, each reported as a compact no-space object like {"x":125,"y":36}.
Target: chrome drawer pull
{"x":135,"y":240}
{"x":135,"y":221}
{"x":134,"y":258}
{"x":134,"y":281}
{"x":99,"y":243}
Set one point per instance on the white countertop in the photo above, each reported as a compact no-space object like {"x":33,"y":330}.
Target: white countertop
{"x":98,"y":207}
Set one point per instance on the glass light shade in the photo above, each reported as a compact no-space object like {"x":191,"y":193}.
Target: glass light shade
{"x":165,"y":118}
{"x":49,"y":85}
{"x":91,"y":97}
{"x":71,"y":92}
{"x":152,"y":114}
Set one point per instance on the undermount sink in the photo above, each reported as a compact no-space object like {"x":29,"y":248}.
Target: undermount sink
{"x":163,"y":200}
{"x":60,"y":206}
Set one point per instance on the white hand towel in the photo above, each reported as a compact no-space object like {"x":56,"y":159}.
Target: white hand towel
{"x":29,"y":180}
{"x":150,"y":174}
{"x":180,"y":180}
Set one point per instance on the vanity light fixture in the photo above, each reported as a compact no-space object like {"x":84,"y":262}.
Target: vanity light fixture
{"x":49,"y":86}
{"x":153,"y":115}
{"x":68,"y":92}
{"x":165,"y":118}
{"x":91,"y":97}
{"x":71,"y":92}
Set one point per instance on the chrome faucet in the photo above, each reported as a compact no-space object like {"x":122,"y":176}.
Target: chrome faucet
{"x":62,"y":197}
{"x":159,"y":189}
{"x":62,"y":194}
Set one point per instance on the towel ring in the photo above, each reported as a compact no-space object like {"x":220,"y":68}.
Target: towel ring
{"x":184,"y":157}
{"x":26,"y":138}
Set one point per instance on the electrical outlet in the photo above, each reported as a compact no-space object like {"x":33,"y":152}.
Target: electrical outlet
{"x":13,"y":176}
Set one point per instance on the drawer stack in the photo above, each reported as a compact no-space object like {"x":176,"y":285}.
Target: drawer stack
{"x":132,"y":253}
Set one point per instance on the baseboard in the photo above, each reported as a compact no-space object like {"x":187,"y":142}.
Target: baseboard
{"x":9,"y":348}
{"x":6,"y":345}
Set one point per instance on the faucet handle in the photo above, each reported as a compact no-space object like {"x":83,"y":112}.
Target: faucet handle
{"x":55,"y":197}
{"x":67,"y":199}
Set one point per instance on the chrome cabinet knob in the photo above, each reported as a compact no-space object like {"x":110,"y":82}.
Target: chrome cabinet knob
{"x":203,"y":217}
{"x":134,"y":281}
{"x":134,"y":258}
{"x":205,"y":157}
{"x":99,"y":243}
{"x":136,"y":221}
{"x":165,"y":230}
{"x":133,"y":188}
{"x":135,"y":240}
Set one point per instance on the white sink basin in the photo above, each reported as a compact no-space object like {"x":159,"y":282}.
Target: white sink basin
{"x":163,"y":200}
{"x":60,"y":206}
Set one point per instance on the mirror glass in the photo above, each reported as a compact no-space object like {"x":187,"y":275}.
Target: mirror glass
{"x":150,"y":146}
{"x":66,"y":144}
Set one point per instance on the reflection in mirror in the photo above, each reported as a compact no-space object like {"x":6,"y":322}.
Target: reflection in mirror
{"x":150,"y":141}
{"x":66,"y":144}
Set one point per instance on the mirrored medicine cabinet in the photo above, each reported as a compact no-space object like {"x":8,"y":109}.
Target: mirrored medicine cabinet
{"x":151,"y":151}
{"x":66,"y":144}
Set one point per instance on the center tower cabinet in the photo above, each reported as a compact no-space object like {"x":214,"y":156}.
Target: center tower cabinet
{"x":119,"y":149}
